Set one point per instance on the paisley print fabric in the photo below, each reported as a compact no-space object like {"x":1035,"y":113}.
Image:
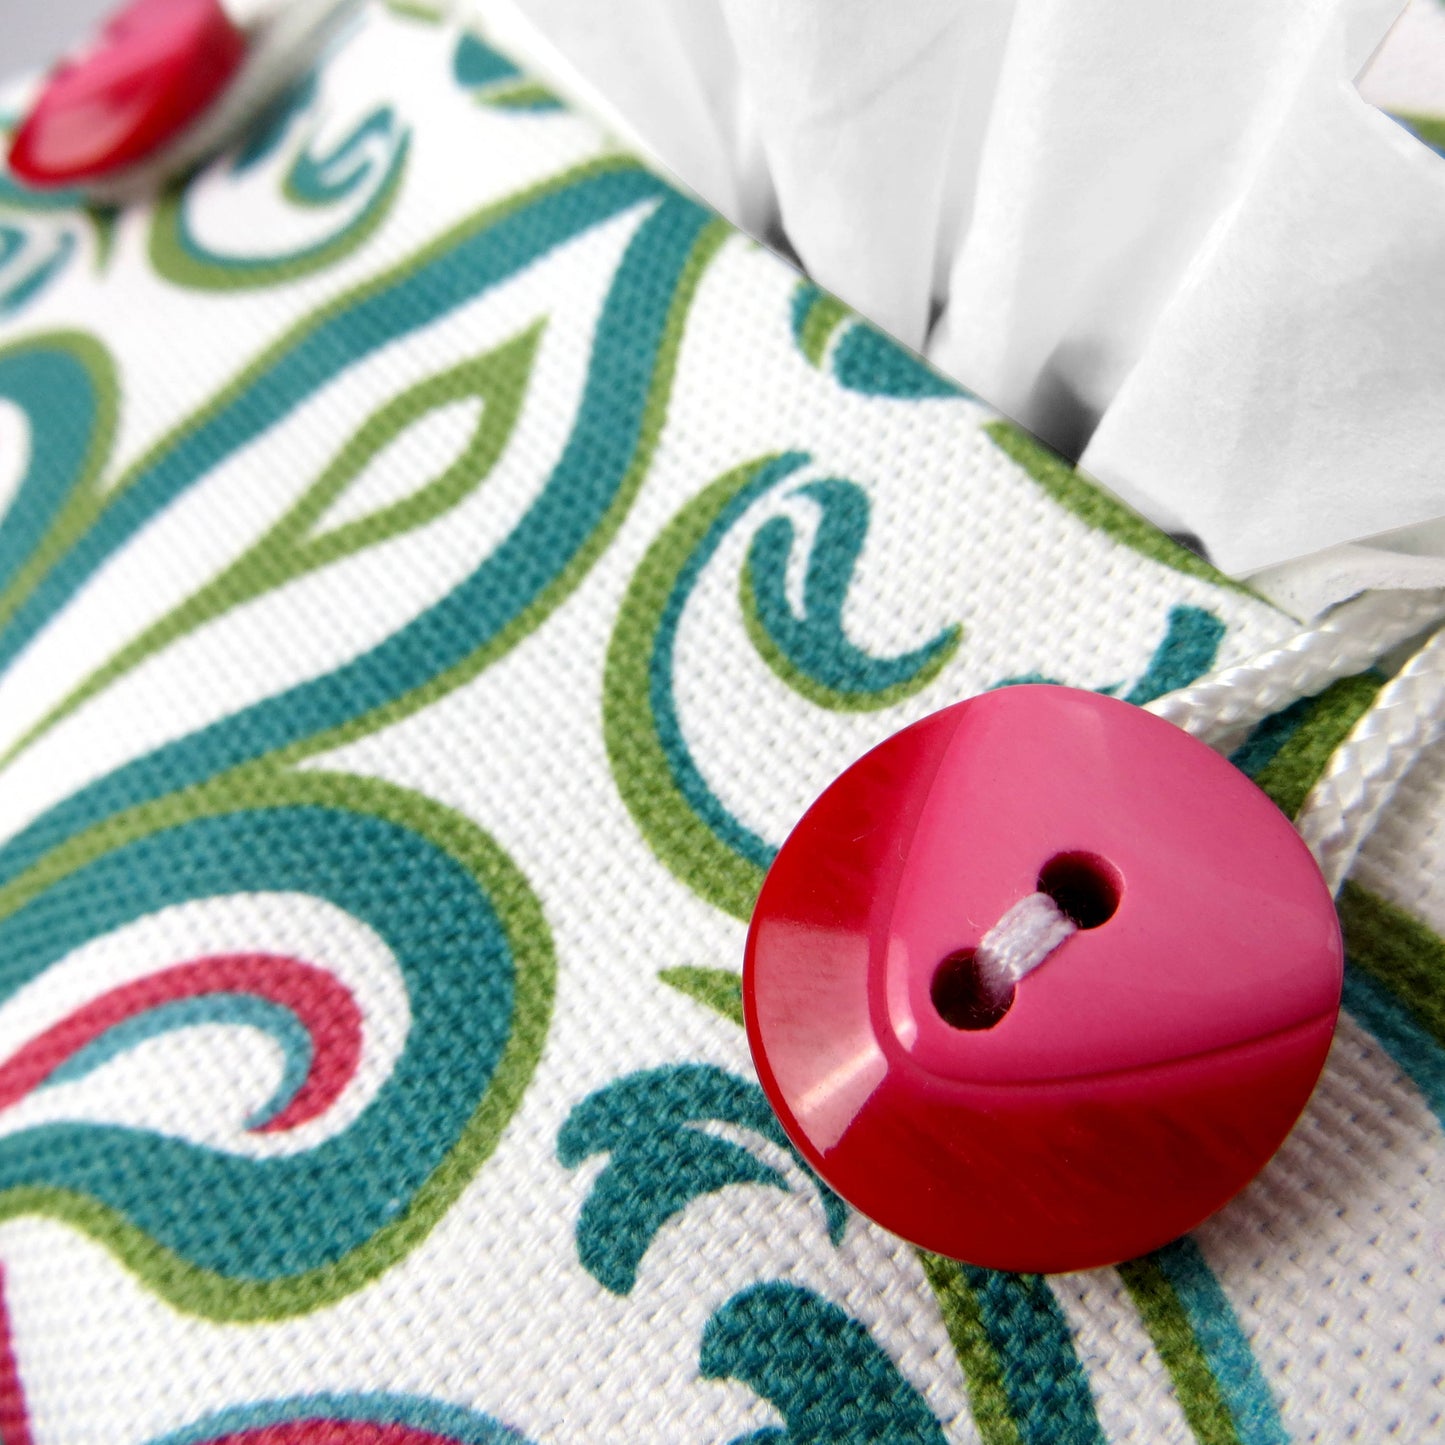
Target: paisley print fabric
{"x":438,"y":562}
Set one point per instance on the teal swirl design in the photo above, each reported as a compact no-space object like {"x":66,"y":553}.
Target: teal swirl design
{"x":861,"y":357}
{"x":492,"y":79}
{"x":512,"y":589}
{"x":830,"y":1380}
{"x":17,"y":197}
{"x":358,"y":177}
{"x":268,"y":132}
{"x":334,"y":175}
{"x":24,"y":276}
{"x":1187,"y":651}
{"x":811,"y":653}
{"x":300,"y":542}
{"x":223,"y":810}
{"x":41,"y":234}
{"x":475,"y":64}
{"x":689,"y":828}
{"x":1033,"y":1397}
{"x":1217,"y":1379}
{"x":1191,"y":642}
{"x":63,"y":385}
{"x":267,"y":1238}
{"x":660,"y":1160}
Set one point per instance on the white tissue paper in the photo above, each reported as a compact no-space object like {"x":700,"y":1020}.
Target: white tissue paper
{"x":1185,"y":244}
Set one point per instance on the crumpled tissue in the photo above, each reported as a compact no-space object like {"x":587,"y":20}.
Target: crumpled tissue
{"x":1184,"y":244}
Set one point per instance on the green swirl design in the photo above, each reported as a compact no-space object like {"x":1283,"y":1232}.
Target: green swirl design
{"x":1096,"y":508}
{"x":64,"y":386}
{"x":262,"y":1239}
{"x":577,"y":510}
{"x":223,"y":810}
{"x":689,"y":828}
{"x":1428,"y":128}
{"x":293,"y":546}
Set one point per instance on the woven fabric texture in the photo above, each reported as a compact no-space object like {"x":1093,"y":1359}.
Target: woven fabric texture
{"x":438,"y":563}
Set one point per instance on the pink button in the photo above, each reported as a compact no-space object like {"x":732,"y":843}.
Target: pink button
{"x":1139,"y":1077}
{"x":155,"y":67}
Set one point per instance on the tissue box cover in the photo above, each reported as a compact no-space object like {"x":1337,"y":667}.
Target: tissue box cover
{"x":438,"y":563}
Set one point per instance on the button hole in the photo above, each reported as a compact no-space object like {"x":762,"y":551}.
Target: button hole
{"x":961,"y":995}
{"x":1085,"y":887}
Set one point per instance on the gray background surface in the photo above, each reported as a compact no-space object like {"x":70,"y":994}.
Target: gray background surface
{"x":35,"y":32}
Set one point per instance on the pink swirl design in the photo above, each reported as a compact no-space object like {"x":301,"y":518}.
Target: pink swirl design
{"x":333,"y":1432}
{"x":319,"y":1002}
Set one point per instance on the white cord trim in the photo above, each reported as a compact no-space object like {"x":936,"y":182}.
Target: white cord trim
{"x":1351,"y":638}
{"x":1407,"y":716}
{"x":1347,"y":800}
{"x":1019,"y":942}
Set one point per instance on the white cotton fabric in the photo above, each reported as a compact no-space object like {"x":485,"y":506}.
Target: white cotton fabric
{"x":1022,"y":939}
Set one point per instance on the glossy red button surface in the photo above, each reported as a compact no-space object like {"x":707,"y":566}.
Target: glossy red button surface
{"x":154,"y":68}
{"x":1145,"y":1071}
